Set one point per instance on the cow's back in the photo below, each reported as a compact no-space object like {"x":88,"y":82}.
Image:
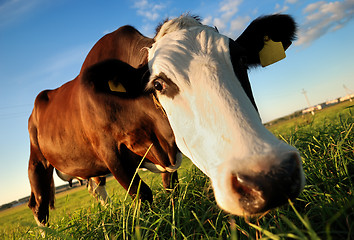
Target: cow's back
{"x":125,"y":44}
{"x":56,"y":127}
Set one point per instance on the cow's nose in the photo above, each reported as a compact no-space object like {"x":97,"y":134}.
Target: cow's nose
{"x":266,"y":190}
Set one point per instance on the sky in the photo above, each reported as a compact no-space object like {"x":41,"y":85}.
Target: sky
{"x":44,"y":43}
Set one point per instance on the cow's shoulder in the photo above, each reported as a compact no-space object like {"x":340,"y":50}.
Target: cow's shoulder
{"x":125,"y":44}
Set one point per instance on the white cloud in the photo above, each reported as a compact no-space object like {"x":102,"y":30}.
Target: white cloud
{"x":228,"y":8}
{"x":239,"y":23}
{"x":140,"y":4}
{"x":150,"y":10}
{"x":313,"y":6}
{"x":323,"y":17}
{"x":226,"y":19}
{"x":220,"y":23}
{"x":208,"y":20}
{"x":281,"y":9}
{"x":158,"y":7}
{"x":291,"y":1}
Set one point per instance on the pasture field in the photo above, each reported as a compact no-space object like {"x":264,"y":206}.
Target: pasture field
{"x":324,"y":210}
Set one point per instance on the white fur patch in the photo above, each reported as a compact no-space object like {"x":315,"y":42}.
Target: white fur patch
{"x":183,"y":22}
{"x":214,"y":122}
{"x":98,"y":191}
{"x":156,"y":168}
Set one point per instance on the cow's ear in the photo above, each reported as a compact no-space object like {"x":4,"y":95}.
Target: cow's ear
{"x":266,"y":39}
{"x":116,"y":77}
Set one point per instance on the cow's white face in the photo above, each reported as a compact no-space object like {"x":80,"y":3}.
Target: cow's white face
{"x":214,"y":122}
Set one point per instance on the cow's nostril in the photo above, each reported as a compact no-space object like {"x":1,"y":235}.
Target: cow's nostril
{"x":251,"y":197}
{"x":261,"y":191}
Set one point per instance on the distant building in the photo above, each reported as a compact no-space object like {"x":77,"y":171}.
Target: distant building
{"x":348,"y":97}
{"x":327,"y":104}
{"x":308,"y":110}
{"x":314,"y":108}
{"x":331,"y":102}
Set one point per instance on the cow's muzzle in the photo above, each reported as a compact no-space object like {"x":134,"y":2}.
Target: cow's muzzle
{"x":262,"y":191}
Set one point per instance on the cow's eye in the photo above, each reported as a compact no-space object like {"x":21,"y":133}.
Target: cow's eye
{"x":159,"y":86}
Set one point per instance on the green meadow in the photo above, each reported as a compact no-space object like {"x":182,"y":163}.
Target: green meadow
{"x":324,"y":210}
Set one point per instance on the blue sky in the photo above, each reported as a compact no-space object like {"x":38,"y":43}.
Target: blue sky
{"x":43,"y":44}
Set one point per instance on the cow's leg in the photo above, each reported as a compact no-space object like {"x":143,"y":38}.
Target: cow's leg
{"x":124,"y":169}
{"x":169,"y":180}
{"x":130,"y":181}
{"x":97,"y":187}
{"x":40,"y":174}
{"x":122,"y":163}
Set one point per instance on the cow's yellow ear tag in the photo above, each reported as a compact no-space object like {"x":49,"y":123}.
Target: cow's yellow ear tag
{"x":116,"y":87}
{"x":272,"y":52}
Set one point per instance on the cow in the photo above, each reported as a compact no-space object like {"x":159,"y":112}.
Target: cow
{"x":99,"y":123}
{"x":200,"y":79}
{"x":69,"y":178}
{"x":98,"y":191}
{"x":95,"y":185}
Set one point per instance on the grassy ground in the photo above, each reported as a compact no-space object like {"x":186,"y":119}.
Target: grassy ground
{"x":325,"y":209}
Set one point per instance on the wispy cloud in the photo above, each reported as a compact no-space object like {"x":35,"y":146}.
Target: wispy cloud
{"x":291,"y":1}
{"x":226,"y":19}
{"x":11,"y":10}
{"x":281,"y":9}
{"x":324,"y":17}
{"x":150,"y":10}
{"x":316,"y":19}
{"x":239,"y":24}
{"x":53,"y":71}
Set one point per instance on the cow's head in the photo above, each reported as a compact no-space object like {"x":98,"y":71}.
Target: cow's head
{"x":114,"y":92}
{"x":200,"y":79}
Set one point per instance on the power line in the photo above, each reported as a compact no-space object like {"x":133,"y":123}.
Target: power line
{"x":348,"y":91}
{"x":307,"y":99}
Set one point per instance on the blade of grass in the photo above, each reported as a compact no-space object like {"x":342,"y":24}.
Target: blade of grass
{"x":200,"y":224}
{"x":136,"y":172}
{"x":266,"y":232}
{"x":306,"y":223}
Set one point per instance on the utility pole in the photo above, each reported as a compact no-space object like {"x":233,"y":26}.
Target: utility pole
{"x":348,"y":91}
{"x":307,"y":100}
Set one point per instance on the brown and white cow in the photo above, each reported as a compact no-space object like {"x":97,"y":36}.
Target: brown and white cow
{"x":200,"y":78}
{"x":101,"y":122}
{"x":68,"y":178}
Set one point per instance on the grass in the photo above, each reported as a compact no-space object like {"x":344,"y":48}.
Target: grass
{"x":325,"y":209}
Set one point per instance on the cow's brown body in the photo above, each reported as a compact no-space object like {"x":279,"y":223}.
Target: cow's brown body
{"x":87,"y":128}
{"x":84,"y":130}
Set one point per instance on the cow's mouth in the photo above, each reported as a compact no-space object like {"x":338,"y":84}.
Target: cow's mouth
{"x":263,"y":191}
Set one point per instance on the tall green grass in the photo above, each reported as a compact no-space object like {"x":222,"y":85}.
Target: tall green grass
{"x":325,"y":209}
{"x":326,"y":142}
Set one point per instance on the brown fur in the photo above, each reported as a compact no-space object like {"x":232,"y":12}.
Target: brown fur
{"x":84,"y":130}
